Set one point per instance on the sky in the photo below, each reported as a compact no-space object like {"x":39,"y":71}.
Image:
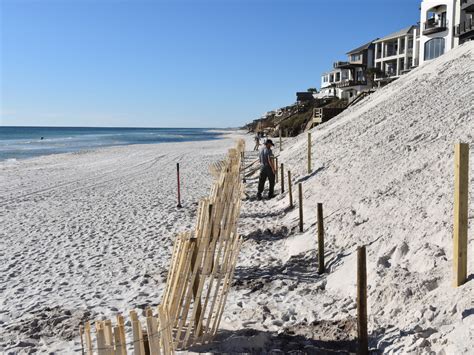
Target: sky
{"x":175,"y":63}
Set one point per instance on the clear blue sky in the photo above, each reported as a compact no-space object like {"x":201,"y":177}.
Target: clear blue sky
{"x":196,"y":63}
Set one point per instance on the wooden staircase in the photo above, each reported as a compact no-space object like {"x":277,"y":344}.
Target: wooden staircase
{"x":360,"y":97}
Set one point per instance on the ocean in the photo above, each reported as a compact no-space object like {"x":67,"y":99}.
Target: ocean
{"x":27,"y":142}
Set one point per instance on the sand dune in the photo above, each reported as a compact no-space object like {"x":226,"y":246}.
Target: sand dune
{"x":384,"y":171}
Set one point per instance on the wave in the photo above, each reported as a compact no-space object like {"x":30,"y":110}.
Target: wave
{"x":25,"y":142}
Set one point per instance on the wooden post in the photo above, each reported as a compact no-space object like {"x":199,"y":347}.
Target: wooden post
{"x":309,"y":153}
{"x":81,"y":332}
{"x":300,"y":196}
{"x":290,"y":192}
{"x":276,"y":169}
{"x":88,"y":338}
{"x":363,"y":342}
{"x":282,"y":178}
{"x":281,"y":145}
{"x":320,"y":239}
{"x":461,"y":192}
{"x":179,"y":186}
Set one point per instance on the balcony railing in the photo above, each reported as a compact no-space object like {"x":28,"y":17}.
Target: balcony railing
{"x":391,"y":52}
{"x":339,"y":64}
{"x":464,"y":27}
{"x":346,"y":83}
{"x":434,"y":26}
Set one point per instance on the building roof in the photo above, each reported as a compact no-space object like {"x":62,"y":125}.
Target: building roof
{"x":400,"y":33}
{"x":361,"y":48}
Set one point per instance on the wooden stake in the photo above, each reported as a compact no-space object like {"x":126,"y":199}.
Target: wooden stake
{"x":88,"y":338}
{"x":309,"y":153}
{"x":281,"y":145}
{"x":179,"y":186}
{"x":81,"y":332}
{"x":300,"y":196}
{"x":153,"y":335}
{"x":138,"y":345}
{"x":461,"y":192}
{"x":290,"y":192}
{"x":321,"y":267}
{"x":363,"y":348}
{"x":100,"y":335}
{"x":282,"y":178}
{"x":276,"y":169}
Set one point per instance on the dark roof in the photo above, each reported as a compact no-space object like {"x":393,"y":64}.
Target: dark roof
{"x":361,"y":48}
{"x":402,"y":32}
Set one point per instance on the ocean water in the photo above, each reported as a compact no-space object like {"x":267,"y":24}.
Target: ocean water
{"x":27,"y":142}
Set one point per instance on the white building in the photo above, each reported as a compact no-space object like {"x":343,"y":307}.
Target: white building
{"x":464,"y":27}
{"x":397,"y":53}
{"x":438,"y":21}
{"x":348,"y":78}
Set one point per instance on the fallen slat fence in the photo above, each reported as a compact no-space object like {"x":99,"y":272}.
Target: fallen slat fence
{"x":199,"y":278}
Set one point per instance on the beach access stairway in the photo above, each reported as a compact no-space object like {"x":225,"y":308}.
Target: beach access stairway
{"x":324,"y":114}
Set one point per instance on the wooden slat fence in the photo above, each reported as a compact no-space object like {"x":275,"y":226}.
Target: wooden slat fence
{"x":199,"y":278}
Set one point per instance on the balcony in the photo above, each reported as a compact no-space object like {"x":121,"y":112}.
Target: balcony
{"x":434,"y":26}
{"x":339,"y":64}
{"x":464,"y":27}
{"x":347,"y":83}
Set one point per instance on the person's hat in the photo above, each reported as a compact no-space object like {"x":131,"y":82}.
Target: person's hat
{"x":269,"y":141}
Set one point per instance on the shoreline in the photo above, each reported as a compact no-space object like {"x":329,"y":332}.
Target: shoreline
{"x":223,"y":133}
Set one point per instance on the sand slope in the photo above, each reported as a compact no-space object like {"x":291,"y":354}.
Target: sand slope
{"x":384,"y":171}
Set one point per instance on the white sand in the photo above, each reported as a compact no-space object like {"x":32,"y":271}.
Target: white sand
{"x":89,"y":234}
{"x":384,"y":171}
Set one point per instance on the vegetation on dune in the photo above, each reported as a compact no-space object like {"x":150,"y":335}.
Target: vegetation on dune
{"x":293,"y":119}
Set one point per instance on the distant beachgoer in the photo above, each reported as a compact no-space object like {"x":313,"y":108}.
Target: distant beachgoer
{"x":267,"y":170}
{"x":42,"y":138}
{"x":257,"y":142}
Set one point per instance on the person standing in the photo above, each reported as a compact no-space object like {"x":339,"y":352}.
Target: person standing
{"x":257,"y":142}
{"x":267,"y":169}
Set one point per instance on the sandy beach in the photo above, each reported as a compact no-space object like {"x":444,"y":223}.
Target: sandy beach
{"x":87,"y":234}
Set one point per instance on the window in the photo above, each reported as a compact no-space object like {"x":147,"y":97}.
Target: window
{"x":434,"y":48}
{"x":355,"y":57}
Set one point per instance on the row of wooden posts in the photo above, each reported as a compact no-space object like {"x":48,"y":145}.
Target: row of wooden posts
{"x":199,"y":278}
{"x":308,"y":150}
{"x":461,"y":192}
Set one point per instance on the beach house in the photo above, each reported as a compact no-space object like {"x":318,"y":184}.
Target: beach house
{"x":397,"y":53}
{"x":438,"y":20}
{"x":349,"y":78}
{"x":464,"y":26}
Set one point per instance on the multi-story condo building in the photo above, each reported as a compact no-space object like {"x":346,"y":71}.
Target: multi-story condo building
{"x":438,"y":22}
{"x":397,"y":53}
{"x":349,"y":78}
{"x":464,"y":26}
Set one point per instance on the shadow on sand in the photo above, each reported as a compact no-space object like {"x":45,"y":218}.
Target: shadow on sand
{"x":302,"y":267}
{"x":252,"y":341}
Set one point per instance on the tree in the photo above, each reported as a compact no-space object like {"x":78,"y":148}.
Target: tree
{"x":313,"y":90}
{"x":371,"y":73}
